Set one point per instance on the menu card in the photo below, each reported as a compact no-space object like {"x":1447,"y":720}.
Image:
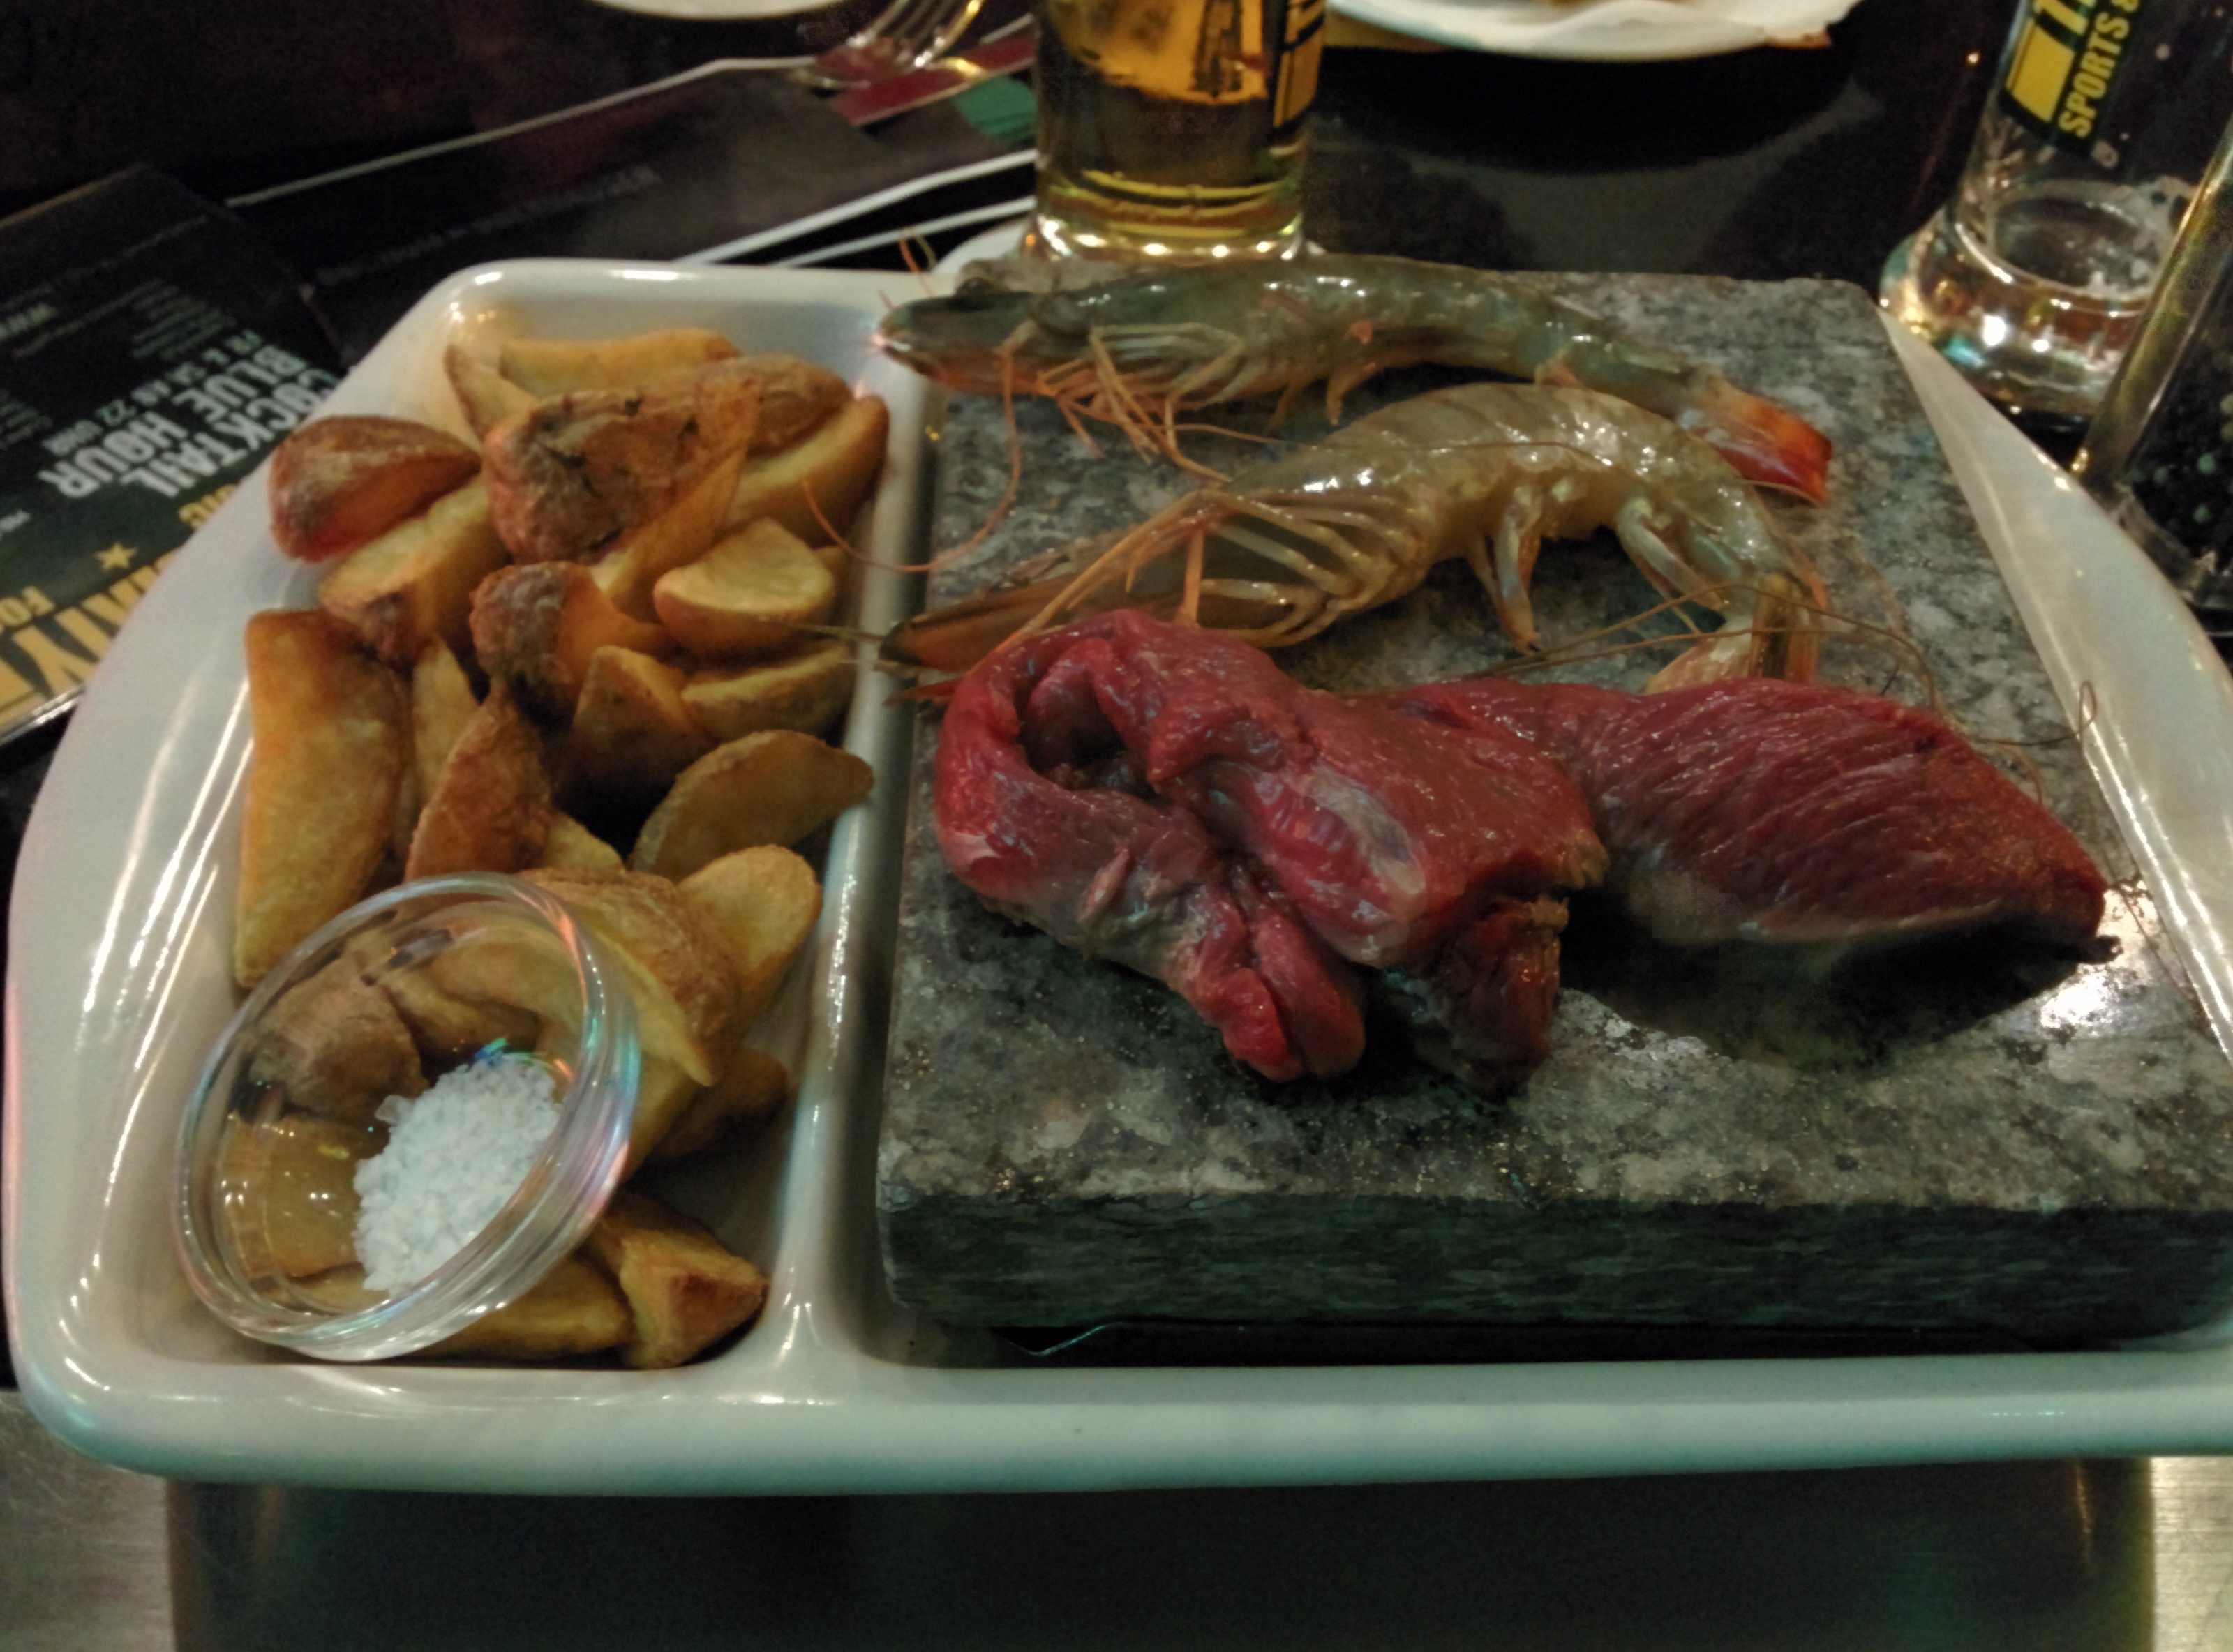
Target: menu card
{"x":151,"y":352}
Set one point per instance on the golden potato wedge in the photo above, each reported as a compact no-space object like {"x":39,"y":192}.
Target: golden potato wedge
{"x":671,"y":940}
{"x":527,"y":986}
{"x":632,"y":733}
{"x":685,"y":1290}
{"x":752,"y":1087}
{"x":336,"y":1046}
{"x":415,"y":584}
{"x":796,"y":397}
{"x":763,"y":902}
{"x":826,"y":477}
{"x":571,"y":476}
{"x":535,"y":627}
{"x":575,"y":1309}
{"x":549,"y":367}
{"x":290,"y":1191}
{"x":490,"y":810}
{"x":768,"y":788}
{"x":442,"y":703}
{"x":748,"y":595}
{"x":628,"y":572}
{"x":664,"y":1095}
{"x":340,"y":482}
{"x":332,"y":736}
{"x":807,"y":689}
{"x":572,"y":847}
{"x":484,"y":394}
{"x":447,"y":1028}
{"x":338,"y":1291}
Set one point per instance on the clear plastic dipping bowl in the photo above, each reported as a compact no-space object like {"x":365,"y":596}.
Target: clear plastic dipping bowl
{"x":388,"y":999}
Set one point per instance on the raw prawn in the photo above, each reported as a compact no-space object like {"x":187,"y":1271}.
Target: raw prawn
{"x":1138,"y":350}
{"x":1484,"y":472}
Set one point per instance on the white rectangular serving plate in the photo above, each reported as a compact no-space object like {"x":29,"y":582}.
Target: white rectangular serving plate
{"x":118,"y":982}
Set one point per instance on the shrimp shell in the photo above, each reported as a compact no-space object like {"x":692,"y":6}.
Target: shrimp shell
{"x":1483,"y":471}
{"x":1138,"y":350}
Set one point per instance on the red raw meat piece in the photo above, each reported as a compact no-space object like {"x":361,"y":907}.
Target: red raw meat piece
{"x":1794,"y":813}
{"x":1388,"y":833}
{"x":1169,"y":798}
{"x":1135,"y":880}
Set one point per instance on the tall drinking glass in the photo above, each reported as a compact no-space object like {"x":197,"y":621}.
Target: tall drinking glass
{"x":1172,"y":129}
{"x":2159,"y":454}
{"x":2033,"y":278}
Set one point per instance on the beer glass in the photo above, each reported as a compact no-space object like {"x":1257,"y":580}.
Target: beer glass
{"x":2033,"y":278}
{"x":1172,"y":129}
{"x":2159,"y":454}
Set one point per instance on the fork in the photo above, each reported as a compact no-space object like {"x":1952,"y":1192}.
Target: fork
{"x":905,"y":36}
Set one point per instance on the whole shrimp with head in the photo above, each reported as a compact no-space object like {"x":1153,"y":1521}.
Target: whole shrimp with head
{"x":1481,"y":471}
{"x":1136,"y":348}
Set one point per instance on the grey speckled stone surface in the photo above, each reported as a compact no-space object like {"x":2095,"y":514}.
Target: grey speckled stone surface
{"x":1975,"y":1141}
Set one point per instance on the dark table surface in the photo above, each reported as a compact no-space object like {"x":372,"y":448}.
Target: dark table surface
{"x":1761,"y":165}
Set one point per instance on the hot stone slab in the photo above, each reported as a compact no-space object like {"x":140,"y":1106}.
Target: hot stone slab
{"x":1969,"y":1142}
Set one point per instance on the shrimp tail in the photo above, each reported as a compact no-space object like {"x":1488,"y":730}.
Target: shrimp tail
{"x":955,"y":637}
{"x":1765,"y":441}
{"x":1784,"y":639}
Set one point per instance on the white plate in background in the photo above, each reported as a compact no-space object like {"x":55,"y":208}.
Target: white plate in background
{"x":1603,"y":30}
{"x":118,"y":981}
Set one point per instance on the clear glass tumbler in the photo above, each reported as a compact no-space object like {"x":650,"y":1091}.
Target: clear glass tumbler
{"x":2159,"y":453}
{"x":2032,"y":280}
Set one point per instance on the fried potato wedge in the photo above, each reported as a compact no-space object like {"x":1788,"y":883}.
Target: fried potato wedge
{"x":796,"y":396}
{"x":485,"y":396}
{"x":747,"y":596}
{"x":442,"y":703}
{"x":824,"y":479}
{"x":340,"y":482}
{"x":632,"y":733}
{"x":686,"y":1290}
{"x":448,"y":1027}
{"x":551,"y":367}
{"x":775,"y":787}
{"x":664,"y":1095}
{"x":338,"y":1291}
{"x":752,"y":1087}
{"x":528,"y":987}
{"x":572,"y":475}
{"x":630,"y":570}
{"x":677,"y":949}
{"x":763,"y":902}
{"x":290,"y":1191}
{"x":575,"y":1309}
{"x":336,"y":1043}
{"x":490,"y":809}
{"x":415,"y":584}
{"x":332,"y":736}
{"x":572,"y":847}
{"x":536,"y":627}
{"x":807,"y":689}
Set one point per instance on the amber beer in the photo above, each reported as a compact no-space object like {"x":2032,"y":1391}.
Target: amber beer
{"x":1173,"y":128}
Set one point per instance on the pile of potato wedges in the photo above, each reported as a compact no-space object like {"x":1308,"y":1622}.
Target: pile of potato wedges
{"x":599,"y":648}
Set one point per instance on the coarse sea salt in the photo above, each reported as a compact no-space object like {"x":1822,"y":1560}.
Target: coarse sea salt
{"x":454,"y":1155}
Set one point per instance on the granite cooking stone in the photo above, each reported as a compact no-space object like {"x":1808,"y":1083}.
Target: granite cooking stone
{"x":1973,"y":1141}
